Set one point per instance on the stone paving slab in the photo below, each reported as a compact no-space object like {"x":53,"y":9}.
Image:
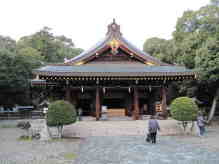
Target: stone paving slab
{"x":117,"y":128}
{"x":134,"y":150}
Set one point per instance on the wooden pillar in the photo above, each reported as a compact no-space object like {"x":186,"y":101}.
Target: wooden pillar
{"x":164,"y":101}
{"x":97,"y":103}
{"x":68,"y":95}
{"x":74,"y":98}
{"x":127,"y":104}
{"x":136,"y":105}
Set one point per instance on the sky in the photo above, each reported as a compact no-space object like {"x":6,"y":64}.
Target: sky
{"x":85,"y":21}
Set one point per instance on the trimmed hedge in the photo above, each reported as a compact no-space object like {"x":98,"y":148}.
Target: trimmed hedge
{"x":184,"y":109}
{"x":61,"y":113}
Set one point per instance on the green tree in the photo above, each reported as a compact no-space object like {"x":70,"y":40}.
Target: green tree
{"x":161,"y":49}
{"x":15,"y":72}
{"x":194,"y":45}
{"x":32,"y":56}
{"x":7,"y":43}
{"x":192,"y":30}
{"x":196,"y":38}
{"x":52,"y":48}
{"x":17,"y":60}
{"x":207,"y":63}
{"x":184,"y":109}
{"x":61,"y":113}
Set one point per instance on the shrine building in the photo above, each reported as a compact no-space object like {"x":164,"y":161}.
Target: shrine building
{"x":116,"y":74}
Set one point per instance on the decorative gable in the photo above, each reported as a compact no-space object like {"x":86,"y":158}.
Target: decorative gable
{"x":114,"y":48}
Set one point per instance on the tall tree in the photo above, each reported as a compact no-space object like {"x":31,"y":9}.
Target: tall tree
{"x":17,"y":60}
{"x":161,"y":48}
{"x":7,"y":43}
{"x":52,"y":48}
{"x":195,"y":43}
{"x":15,"y":72}
{"x":207,"y":63}
{"x":196,"y":38}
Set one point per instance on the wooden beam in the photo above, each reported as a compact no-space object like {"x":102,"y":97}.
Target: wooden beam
{"x":97,"y":104}
{"x":136,"y":105}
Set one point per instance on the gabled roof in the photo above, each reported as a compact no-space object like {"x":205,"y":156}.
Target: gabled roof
{"x":114,"y":35}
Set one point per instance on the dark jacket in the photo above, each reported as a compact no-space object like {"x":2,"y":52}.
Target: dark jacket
{"x":153,"y":126}
{"x":200,"y":121}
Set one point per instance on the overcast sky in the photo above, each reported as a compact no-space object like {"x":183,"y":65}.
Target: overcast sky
{"x":85,"y":21}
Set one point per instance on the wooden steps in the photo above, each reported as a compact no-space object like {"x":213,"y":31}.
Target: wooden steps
{"x":115,"y":112}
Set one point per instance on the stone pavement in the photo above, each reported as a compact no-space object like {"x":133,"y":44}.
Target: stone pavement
{"x":117,"y":128}
{"x":134,"y":150}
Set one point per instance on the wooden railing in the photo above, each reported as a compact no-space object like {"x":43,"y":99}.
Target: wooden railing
{"x":21,"y":115}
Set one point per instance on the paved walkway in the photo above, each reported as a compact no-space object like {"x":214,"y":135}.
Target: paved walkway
{"x":134,"y":150}
{"x":117,"y":128}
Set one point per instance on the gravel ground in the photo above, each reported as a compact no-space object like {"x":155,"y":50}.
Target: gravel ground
{"x":13,"y":151}
{"x":110,"y":142}
{"x":134,"y":150}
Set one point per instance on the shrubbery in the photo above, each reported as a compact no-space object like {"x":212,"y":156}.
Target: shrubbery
{"x":61,"y":113}
{"x":184,"y":109}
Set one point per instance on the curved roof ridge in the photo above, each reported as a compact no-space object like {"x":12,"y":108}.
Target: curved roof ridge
{"x":140,"y":52}
{"x":90,"y":51}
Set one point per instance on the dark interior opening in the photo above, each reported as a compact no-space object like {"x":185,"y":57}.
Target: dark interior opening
{"x":114,"y":103}
{"x":85,"y":105}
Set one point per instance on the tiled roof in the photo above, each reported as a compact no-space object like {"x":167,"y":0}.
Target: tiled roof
{"x":113,"y":70}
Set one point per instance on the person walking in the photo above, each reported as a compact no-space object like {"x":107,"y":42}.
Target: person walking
{"x":201,"y":124}
{"x":153,"y":127}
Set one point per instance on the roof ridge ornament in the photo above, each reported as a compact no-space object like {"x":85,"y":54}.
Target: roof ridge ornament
{"x":114,"y":29}
{"x":114,"y":44}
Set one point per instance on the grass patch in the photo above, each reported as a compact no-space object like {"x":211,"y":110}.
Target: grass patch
{"x":70,"y":139}
{"x":24,"y":138}
{"x":69,"y":156}
{"x":56,"y":140}
{"x":7,"y":126}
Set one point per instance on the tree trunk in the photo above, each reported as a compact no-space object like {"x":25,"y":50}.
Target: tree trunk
{"x":60,"y":127}
{"x":184,"y":124}
{"x":192,"y":126}
{"x":213,"y":107}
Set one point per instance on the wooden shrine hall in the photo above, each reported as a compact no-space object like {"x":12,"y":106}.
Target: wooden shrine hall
{"x":115,"y":74}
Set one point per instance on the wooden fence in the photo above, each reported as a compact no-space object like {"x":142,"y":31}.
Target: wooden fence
{"x":21,"y":115}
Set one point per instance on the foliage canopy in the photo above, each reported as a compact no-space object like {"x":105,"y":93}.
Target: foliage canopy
{"x":184,"y":109}
{"x":61,"y":113}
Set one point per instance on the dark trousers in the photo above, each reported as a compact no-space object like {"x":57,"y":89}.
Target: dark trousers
{"x":202,"y":130}
{"x":153,"y":137}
